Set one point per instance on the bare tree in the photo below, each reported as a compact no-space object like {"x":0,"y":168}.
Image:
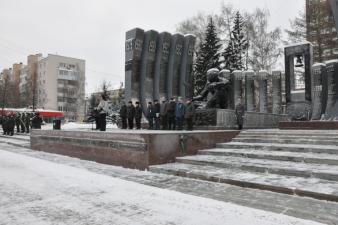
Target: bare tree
{"x":297,"y":33}
{"x":264,"y":45}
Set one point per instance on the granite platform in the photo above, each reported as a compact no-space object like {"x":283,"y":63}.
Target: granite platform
{"x":130,"y":149}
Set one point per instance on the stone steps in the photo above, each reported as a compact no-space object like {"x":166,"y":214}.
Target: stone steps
{"x":316,"y":158}
{"x":265,"y":139}
{"x":321,"y":171}
{"x":329,"y":149}
{"x":303,"y":163}
{"x":293,"y":132}
{"x":285,"y":136}
{"x":310,"y":187}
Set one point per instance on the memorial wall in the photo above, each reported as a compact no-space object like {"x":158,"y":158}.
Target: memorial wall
{"x":157,"y":65}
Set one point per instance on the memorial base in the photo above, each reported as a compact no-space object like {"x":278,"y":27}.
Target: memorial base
{"x":309,"y":125}
{"x":131,"y":149}
{"x":219,"y":119}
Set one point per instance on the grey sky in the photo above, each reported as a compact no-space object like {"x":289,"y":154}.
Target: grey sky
{"x":94,"y":30}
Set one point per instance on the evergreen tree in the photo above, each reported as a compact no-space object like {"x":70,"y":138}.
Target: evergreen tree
{"x":207,"y":57}
{"x":234,"y":53}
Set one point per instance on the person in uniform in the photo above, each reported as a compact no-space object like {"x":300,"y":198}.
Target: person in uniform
{"x":123,"y":115}
{"x":27,"y":122}
{"x":130,"y":114}
{"x":17,"y":122}
{"x":22,"y":122}
{"x":189,"y":114}
{"x":239,"y":111}
{"x":138,"y":115}
{"x":11,"y":125}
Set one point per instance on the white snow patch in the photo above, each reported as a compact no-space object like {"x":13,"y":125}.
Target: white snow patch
{"x":77,"y":126}
{"x":35,"y":191}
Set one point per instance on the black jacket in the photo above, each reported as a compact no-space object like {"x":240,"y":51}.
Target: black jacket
{"x":123,"y":111}
{"x":138,"y":112}
{"x":130,"y":112}
{"x":150,"y":111}
{"x":171,"y":109}
{"x":157,"y":110}
{"x":36,"y":122}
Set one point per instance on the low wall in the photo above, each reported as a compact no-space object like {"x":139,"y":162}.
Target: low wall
{"x":226,"y":119}
{"x":131,"y":149}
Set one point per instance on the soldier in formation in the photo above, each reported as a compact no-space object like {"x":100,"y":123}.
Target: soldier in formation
{"x":8,"y":124}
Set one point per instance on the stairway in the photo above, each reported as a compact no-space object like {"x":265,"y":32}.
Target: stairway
{"x":295,"y":162}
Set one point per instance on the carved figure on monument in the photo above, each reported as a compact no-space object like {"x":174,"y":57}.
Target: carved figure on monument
{"x":216,"y":89}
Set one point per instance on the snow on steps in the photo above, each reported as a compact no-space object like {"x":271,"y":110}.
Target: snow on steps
{"x":310,"y":187}
{"x":304,"y":163}
{"x":329,"y":149}
{"x":319,"y":158}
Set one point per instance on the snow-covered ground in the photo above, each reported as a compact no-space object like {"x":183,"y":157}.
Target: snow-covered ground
{"x":35,"y":191}
{"x":77,"y":126}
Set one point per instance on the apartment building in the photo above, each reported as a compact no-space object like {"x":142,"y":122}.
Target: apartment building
{"x":61,"y":85}
{"x":53,"y":82}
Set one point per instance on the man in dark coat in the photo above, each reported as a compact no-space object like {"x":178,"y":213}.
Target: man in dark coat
{"x":36,"y":121}
{"x":239,"y":111}
{"x":150,"y":115}
{"x":164,"y":114}
{"x":171,"y":114}
{"x":123,"y":115}
{"x":97,"y":119}
{"x":189,"y":114}
{"x":138,"y":115}
{"x":179,"y":113}
{"x":157,"y":113}
{"x":130,"y":114}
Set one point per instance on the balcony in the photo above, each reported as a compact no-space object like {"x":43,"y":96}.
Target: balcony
{"x":68,"y":77}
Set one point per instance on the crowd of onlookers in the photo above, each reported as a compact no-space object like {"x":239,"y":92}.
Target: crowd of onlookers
{"x":165,"y":115}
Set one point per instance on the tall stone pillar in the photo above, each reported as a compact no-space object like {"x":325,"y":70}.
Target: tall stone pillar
{"x":263,"y":91}
{"x":185,"y":85}
{"x":174,"y":65}
{"x":237,"y":81}
{"x":331,"y":111}
{"x":277,"y":92}
{"x":133,"y":54}
{"x":148,"y":68}
{"x":161,"y":65}
{"x":318,"y":73}
{"x":250,"y":91}
{"x":228,"y":89}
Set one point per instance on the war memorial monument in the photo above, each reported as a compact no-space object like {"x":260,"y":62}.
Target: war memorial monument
{"x":289,"y":143}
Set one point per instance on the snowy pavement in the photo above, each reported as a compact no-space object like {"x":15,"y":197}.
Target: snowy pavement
{"x":37,"y":191}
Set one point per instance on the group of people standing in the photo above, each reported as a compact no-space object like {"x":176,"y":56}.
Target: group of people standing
{"x":21,"y":121}
{"x":164,"y":115}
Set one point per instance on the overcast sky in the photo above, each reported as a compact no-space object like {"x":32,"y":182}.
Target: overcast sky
{"x":94,"y":30}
